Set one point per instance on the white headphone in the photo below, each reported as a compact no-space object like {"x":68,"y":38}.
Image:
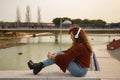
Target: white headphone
{"x":77,"y":35}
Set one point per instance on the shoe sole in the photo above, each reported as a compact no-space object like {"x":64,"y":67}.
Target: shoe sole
{"x":29,"y":65}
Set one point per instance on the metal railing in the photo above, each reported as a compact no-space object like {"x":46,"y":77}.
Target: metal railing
{"x":94,"y":63}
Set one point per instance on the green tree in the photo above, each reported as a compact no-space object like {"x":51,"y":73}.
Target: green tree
{"x":100,"y":22}
{"x":85,"y":21}
{"x":56,"y":21}
{"x":76,"y":21}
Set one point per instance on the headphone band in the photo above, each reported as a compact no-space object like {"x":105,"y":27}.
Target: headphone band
{"x":77,"y":35}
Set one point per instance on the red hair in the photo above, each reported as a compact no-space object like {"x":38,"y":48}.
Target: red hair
{"x":82,"y":38}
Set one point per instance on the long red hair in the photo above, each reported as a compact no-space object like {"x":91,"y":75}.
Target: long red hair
{"x":82,"y":38}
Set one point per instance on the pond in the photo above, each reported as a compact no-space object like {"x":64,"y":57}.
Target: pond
{"x":36,"y":49}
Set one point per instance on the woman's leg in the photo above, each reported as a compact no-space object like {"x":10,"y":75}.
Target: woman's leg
{"x":50,"y":61}
{"x":76,"y":70}
{"x":37,"y":67}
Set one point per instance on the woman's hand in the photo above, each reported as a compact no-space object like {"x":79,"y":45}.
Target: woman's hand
{"x":51,"y":55}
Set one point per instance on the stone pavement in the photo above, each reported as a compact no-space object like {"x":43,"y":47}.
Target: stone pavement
{"x":109,"y":66}
{"x":52,"y":75}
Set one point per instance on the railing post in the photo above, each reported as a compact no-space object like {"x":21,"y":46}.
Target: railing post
{"x":56,"y":37}
{"x":96,"y":64}
{"x":60,"y":34}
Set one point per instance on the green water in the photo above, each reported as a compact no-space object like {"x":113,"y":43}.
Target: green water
{"x":37,"y":49}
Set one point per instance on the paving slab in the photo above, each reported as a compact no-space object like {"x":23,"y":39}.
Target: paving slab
{"x":109,"y":66}
{"x":101,"y":51}
{"x":108,"y":75}
{"x":56,"y":75}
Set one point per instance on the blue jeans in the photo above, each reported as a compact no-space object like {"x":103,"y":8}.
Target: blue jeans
{"x":74,"y":67}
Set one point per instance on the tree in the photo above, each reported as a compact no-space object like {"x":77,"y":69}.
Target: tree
{"x":99,"y":21}
{"x":56,"y":21}
{"x":28,"y":14}
{"x":85,"y":21}
{"x":39,"y":16}
{"x":76,"y":21}
{"x":18,"y":17}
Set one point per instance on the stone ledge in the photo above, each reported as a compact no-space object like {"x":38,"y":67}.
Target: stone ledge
{"x":52,"y":75}
{"x":108,"y":75}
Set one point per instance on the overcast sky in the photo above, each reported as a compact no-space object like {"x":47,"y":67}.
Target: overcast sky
{"x":107,"y":10}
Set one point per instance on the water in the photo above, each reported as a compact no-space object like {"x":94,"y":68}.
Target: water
{"x":37,"y":49}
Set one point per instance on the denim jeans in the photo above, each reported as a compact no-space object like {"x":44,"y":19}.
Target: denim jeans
{"x":74,"y":67}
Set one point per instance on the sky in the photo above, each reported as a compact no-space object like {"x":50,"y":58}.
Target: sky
{"x":107,"y":10}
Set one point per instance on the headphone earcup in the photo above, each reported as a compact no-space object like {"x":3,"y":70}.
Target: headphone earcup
{"x":76,"y":36}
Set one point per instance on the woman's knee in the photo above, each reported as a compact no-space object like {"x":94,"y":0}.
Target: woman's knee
{"x":60,"y":52}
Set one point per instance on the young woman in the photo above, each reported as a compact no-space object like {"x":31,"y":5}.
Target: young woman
{"x":76,"y":59}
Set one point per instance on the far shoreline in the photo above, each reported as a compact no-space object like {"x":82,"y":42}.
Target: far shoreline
{"x":103,"y":34}
{"x":6,"y":44}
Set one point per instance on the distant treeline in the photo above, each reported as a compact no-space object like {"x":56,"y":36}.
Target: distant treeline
{"x":56,"y":21}
{"x":86,"y":23}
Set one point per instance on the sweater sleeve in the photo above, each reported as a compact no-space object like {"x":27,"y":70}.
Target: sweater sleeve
{"x":62,"y":60}
{"x":65,"y":51}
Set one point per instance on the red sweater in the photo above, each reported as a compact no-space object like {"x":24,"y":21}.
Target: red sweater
{"x":78,"y":53}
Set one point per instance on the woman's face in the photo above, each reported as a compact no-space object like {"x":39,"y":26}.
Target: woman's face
{"x":72,"y":37}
